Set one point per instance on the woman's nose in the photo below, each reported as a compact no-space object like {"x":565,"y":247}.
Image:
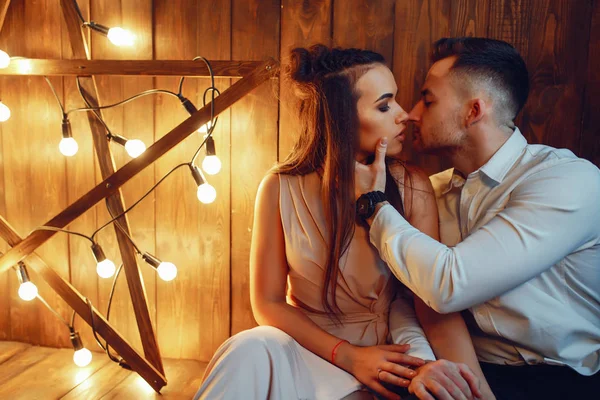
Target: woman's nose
{"x":402,"y":116}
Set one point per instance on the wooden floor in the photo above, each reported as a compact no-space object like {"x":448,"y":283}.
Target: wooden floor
{"x":32,"y":372}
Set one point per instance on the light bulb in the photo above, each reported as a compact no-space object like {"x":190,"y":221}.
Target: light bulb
{"x":82,"y":357}
{"x":4,"y":112}
{"x":206,"y":193}
{"x":105,"y":268}
{"x":135,"y":147}
{"x":28,"y":291}
{"x":68,"y":146}
{"x":4,"y":59}
{"x":167,"y":271}
{"x":203,"y":130}
{"x":120,"y":37}
{"x":211,"y":165}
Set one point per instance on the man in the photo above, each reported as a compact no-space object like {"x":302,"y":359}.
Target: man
{"x":519,"y":223}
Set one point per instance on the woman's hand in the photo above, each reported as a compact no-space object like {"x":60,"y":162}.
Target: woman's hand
{"x":376,"y":364}
{"x":446,"y":381}
{"x":369,"y":178}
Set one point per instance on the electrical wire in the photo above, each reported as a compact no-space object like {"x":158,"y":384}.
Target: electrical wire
{"x":79,"y":11}
{"x":54,"y":229}
{"x":40,"y":298}
{"x":140,"y":199}
{"x":144,"y":93}
{"x":137,"y":249}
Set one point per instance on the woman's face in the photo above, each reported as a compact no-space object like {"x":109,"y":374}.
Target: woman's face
{"x":378,"y":113}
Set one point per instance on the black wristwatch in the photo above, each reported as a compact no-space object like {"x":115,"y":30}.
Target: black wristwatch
{"x":365,"y":205}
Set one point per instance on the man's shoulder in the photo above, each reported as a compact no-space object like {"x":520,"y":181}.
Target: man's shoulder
{"x":542,"y":159}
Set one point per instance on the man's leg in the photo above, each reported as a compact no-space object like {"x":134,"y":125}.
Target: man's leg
{"x":546,"y":382}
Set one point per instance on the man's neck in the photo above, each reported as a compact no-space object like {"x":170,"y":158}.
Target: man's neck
{"x":478,"y":148}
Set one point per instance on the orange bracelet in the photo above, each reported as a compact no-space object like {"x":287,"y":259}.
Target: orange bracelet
{"x":335,"y":348}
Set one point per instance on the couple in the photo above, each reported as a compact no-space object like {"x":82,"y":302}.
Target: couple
{"x":338,"y":222}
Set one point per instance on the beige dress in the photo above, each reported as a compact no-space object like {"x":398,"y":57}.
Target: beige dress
{"x":265,"y":362}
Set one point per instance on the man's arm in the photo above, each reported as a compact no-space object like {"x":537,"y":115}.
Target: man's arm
{"x":549,"y":215}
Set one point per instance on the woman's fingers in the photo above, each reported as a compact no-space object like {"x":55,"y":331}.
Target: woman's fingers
{"x":398,"y":370}
{"x":401,"y":358}
{"x":393,"y":378}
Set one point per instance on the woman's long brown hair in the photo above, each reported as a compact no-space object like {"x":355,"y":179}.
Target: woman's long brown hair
{"x":324,"y":80}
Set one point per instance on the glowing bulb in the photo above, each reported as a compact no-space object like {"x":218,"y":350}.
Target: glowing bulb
{"x":28,"y":291}
{"x":120,"y":37}
{"x":135,"y":147}
{"x":211,"y":165}
{"x":4,"y":112}
{"x":68,"y":146}
{"x":82,"y":357}
{"x":4,"y":59}
{"x":203,"y":130}
{"x":206,"y":193}
{"x":167,"y":271}
{"x":105,"y":268}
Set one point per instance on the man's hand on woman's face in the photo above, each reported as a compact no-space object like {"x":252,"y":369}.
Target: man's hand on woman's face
{"x":446,"y":381}
{"x":369,"y":178}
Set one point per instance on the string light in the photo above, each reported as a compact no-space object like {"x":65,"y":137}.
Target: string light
{"x":206,"y":193}
{"x":134,"y":147}
{"x":211,"y":163}
{"x":82,"y":356}
{"x":105,"y":267}
{"x":27,"y":290}
{"x":67,"y":146}
{"x":4,"y":59}
{"x":166,"y":271}
{"x":4,"y":112}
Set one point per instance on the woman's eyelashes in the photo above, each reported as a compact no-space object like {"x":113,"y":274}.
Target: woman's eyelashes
{"x":384,"y":107}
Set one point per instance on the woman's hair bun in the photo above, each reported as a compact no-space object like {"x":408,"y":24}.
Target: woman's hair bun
{"x":308,"y":64}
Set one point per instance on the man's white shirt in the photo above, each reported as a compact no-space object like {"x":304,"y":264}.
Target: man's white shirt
{"x":521,"y":251}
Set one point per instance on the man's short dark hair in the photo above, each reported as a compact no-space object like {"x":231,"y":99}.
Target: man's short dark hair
{"x":492,"y":61}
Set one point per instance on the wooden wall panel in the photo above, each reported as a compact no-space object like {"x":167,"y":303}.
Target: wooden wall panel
{"x":418,"y":23}
{"x":35,"y":184}
{"x":469,"y":18}
{"x":133,"y":120}
{"x":255,"y":36}
{"x":193,"y":310}
{"x":365,"y":24}
{"x":210,"y":244}
{"x":4,"y":278}
{"x":589,"y":147}
{"x":554,"y":109}
{"x":81,"y":177}
{"x":303,"y":23}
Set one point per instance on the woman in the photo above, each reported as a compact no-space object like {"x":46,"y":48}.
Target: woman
{"x":318,"y":288}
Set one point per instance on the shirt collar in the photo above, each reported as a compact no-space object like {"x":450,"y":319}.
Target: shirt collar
{"x":498,"y":166}
{"x":502,"y":161}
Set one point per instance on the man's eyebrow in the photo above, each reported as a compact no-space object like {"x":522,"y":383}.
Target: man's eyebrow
{"x":384,"y":96}
{"x":425,"y":92}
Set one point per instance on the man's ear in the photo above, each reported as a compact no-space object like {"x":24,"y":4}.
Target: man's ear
{"x":477,"y":110}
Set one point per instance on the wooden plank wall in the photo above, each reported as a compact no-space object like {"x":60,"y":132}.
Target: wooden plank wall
{"x":209,"y":300}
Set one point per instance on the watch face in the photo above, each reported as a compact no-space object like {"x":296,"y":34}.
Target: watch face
{"x":362,"y":205}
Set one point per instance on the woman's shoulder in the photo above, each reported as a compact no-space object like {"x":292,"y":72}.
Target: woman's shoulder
{"x":414,"y":177}
{"x":269,"y":186}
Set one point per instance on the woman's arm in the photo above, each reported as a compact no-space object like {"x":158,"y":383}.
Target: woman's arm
{"x":268,"y":277}
{"x":447,"y":333}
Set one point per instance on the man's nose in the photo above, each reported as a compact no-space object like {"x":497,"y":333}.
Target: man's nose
{"x":415,"y":113}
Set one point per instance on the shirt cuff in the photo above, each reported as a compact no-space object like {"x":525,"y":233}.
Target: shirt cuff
{"x":386,"y":216}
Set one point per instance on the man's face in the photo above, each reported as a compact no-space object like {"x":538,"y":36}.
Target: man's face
{"x":439,"y":115}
